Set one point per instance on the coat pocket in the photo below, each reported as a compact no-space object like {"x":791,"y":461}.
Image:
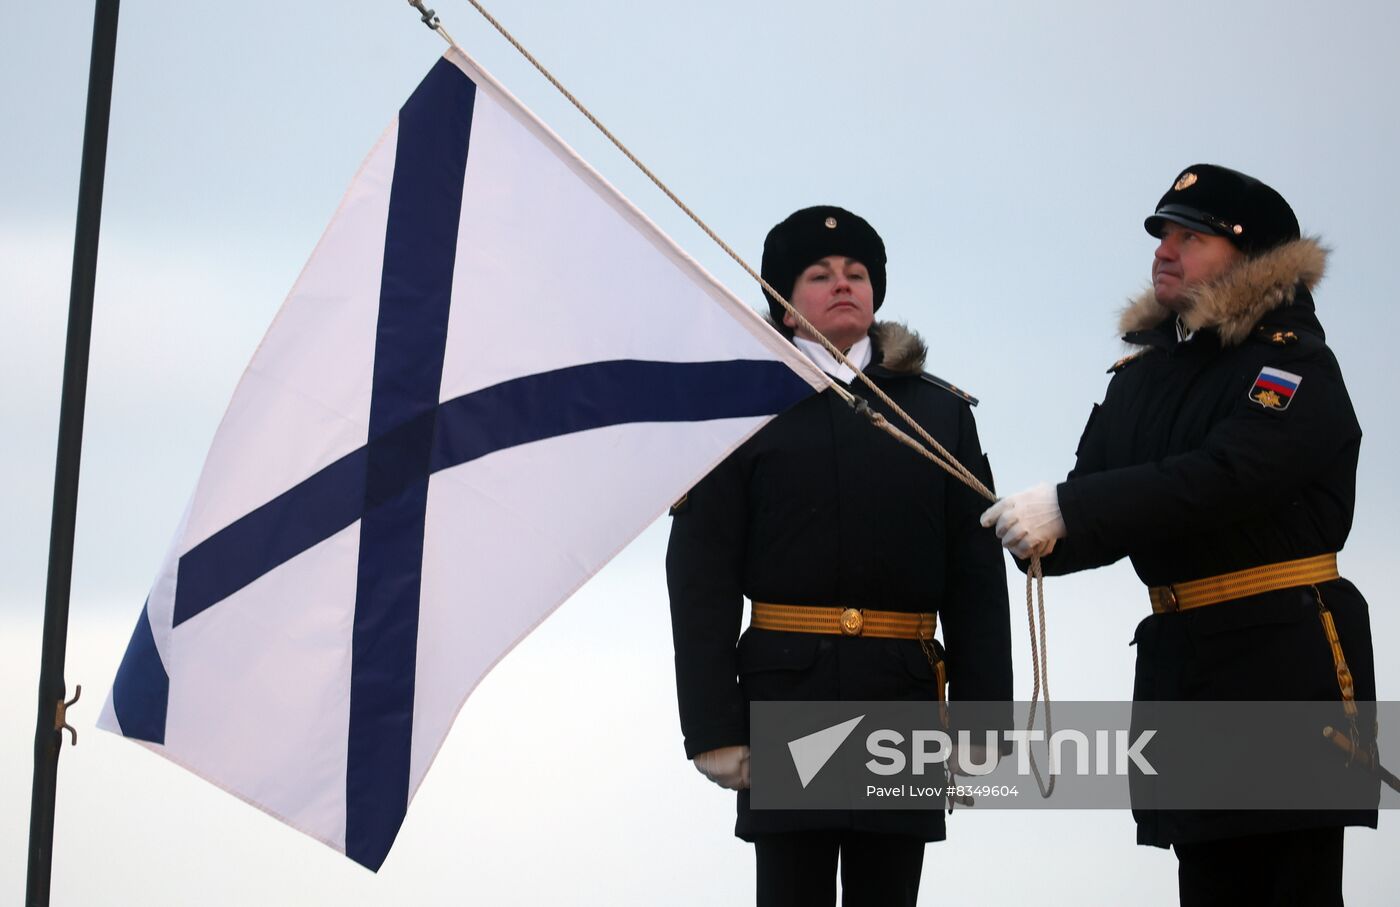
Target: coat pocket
{"x":930,"y":677}
{"x":887,"y":669}
{"x":1268,"y":647}
{"x":775,"y":665}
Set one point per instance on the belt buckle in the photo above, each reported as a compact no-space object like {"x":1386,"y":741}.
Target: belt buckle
{"x":852,"y":622}
{"x":1170,"y":603}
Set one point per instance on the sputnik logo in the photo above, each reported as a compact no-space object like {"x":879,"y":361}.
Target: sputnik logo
{"x":812,"y":752}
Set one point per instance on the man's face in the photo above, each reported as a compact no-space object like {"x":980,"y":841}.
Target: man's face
{"x":835,"y":295}
{"x":1185,"y":259}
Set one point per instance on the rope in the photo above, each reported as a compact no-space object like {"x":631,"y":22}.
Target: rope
{"x":1035,"y":579}
{"x":943,"y":459}
{"x":1040,"y":670}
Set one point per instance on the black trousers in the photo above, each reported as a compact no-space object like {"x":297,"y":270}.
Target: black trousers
{"x":1285,"y":869}
{"x":799,"y":869}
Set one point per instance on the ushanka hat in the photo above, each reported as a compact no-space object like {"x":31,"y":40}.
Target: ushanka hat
{"x":808,"y":236}
{"x":1224,"y":202}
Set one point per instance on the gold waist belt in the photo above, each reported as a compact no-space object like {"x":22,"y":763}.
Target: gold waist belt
{"x":844,"y":621}
{"x":1307,"y":571}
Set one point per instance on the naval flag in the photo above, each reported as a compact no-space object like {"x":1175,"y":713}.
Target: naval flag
{"x":487,"y":341}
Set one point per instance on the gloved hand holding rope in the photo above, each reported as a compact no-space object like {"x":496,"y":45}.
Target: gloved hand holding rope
{"x":1028,"y":523}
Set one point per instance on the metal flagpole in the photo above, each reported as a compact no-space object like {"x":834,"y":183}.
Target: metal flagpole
{"x":48,"y":731}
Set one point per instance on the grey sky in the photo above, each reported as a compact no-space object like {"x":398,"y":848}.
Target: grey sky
{"x":1006,"y":152}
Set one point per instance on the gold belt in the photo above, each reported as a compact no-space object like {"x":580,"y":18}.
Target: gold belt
{"x":1307,"y":571}
{"x":860,"y":622}
{"x":844,"y":621}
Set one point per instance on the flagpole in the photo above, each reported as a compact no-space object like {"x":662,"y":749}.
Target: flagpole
{"x":48,"y":731}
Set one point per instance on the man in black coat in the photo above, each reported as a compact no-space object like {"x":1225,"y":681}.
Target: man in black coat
{"x":818,"y":515}
{"x":1222,"y":462}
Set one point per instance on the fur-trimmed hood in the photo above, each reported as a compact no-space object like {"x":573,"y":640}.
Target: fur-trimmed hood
{"x":900,"y":349}
{"x":1233,"y":304}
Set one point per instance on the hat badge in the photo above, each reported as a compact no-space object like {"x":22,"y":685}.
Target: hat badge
{"x":1187,"y":180}
{"x":831,"y":223}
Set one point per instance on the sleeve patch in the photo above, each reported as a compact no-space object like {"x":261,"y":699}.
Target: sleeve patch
{"x":1274,"y":388}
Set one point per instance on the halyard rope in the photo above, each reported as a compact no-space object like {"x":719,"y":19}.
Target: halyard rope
{"x":943,"y":459}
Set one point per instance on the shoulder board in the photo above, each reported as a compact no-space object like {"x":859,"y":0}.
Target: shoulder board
{"x":1275,"y":336}
{"x":1127,"y":360}
{"x":679,"y":506}
{"x":950,"y":388}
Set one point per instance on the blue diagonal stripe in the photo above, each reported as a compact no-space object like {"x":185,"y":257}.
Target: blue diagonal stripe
{"x":141,"y":690}
{"x":599,"y":394}
{"x":420,"y":250}
{"x":519,"y":411}
{"x":249,"y":547}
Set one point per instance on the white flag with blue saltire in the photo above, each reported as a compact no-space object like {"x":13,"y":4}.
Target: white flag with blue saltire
{"x":487,"y":341}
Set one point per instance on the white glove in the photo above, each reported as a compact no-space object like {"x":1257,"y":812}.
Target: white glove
{"x":1029,"y":522}
{"x":727,"y":766}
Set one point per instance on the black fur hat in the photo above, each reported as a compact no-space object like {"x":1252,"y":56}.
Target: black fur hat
{"x":1225,"y":202}
{"x":808,"y":236}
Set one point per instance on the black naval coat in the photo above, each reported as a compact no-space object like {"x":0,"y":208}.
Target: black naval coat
{"x":818,"y":508}
{"x":1193,"y":467}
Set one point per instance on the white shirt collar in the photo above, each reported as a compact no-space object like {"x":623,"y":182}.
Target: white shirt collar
{"x":1183,"y":333}
{"x":859,"y":353}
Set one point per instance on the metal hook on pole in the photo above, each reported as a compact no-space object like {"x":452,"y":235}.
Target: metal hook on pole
{"x":60,"y":718}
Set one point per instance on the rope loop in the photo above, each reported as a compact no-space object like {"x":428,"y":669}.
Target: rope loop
{"x":1040,"y":670}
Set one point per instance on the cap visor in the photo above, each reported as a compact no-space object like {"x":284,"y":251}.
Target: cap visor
{"x":1156,"y":222}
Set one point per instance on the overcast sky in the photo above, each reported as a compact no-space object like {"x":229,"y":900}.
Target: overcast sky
{"x":1006,"y":152}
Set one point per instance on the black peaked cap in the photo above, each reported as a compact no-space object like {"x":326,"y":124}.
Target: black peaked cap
{"x":1224,"y":202}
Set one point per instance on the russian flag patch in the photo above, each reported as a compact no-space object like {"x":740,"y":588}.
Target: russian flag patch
{"x":1274,"y":388}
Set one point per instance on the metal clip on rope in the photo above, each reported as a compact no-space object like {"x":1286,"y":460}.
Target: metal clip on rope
{"x":430,"y":18}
